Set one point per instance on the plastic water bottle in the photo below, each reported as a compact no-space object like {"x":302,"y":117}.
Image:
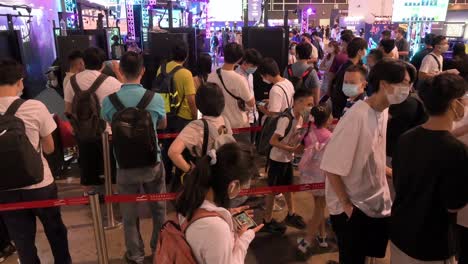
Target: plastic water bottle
{"x":63,"y":27}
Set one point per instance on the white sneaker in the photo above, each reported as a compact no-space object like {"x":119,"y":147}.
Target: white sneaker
{"x":302,"y":245}
{"x":322,"y":242}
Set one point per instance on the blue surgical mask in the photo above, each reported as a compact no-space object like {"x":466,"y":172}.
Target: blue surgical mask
{"x":251,"y":70}
{"x":350,"y":90}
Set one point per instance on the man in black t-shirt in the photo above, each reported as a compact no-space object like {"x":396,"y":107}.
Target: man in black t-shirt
{"x":419,"y":56}
{"x":430,"y":169}
{"x":402,"y":44}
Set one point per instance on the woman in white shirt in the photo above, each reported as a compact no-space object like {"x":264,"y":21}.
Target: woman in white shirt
{"x":215,"y":180}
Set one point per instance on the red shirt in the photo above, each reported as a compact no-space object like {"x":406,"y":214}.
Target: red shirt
{"x":339,"y":60}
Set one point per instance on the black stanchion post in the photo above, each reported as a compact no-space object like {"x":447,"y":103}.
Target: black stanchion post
{"x":99,"y":235}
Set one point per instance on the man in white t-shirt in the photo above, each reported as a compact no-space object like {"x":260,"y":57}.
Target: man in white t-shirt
{"x":247,"y":67}
{"x":357,"y":193}
{"x":76,"y":62}
{"x":91,"y":160}
{"x":236,"y":90}
{"x":282,"y":92}
{"x":39,"y":126}
{"x":387,"y":35}
{"x":433,"y":63}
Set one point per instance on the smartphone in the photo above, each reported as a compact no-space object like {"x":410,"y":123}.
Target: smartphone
{"x":242,"y":219}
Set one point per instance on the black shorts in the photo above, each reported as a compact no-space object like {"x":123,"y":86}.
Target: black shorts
{"x":280,"y":173}
{"x":360,"y":236}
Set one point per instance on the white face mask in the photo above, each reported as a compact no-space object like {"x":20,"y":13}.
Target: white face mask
{"x":444,"y":48}
{"x":401,"y":92}
{"x":266,"y":81}
{"x":330,"y":50}
{"x":307,"y":110}
{"x":351,"y":90}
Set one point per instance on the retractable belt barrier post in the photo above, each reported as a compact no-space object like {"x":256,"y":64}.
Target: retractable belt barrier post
{"x":111,"y":223}
{"x":99,"y":235}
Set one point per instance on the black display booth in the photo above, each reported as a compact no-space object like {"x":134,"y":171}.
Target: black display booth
{"x":10,"y":45}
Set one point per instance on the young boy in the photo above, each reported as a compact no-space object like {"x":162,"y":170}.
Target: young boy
{"x":354,"y":84}
{"x":280,"y":172}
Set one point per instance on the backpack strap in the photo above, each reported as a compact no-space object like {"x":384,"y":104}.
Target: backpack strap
{"x":218,"y":72}
{"x":438,"y":62}
{"x":145,"y":100}
{"x":290,"y":71}
{"x":197,"y":215}
{"x":175,"y":70}
{"x":306,"y":74}
{"x":97,"y":83}
{"x":206,"y":133}
{"x":74,"y":84}
{"x":115,"y":101}
{"x":14,"y":107}
{"x":287,"y":98}
{"x":287,"y":113}
{"x":163,"y":70}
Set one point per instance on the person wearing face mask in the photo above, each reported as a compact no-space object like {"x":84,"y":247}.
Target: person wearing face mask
{"x":282,"y":92}
{"x":354,"y":84}
{"x":357,"y":193}
{"x":356,"y":51}
{"x":433,"y":63}
{"x":38,"y":126}
{"x":286,"y":142}
{"x":216,"y":179}
{"x":247,"y":67}
{"x":332,"y":50}
{"x":430,"y":189}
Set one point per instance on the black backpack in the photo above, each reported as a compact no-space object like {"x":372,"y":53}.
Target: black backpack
{"x":85,"y":117}
{"x":298,"y":82}
{"x":269,"y":128}
{"x":133,"y":134}
{"x":164,"y":85}
{"x":21,"y":164}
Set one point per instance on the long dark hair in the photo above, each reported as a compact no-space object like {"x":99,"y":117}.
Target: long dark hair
{"x":336,"y":48}
{"x":233,"y":162}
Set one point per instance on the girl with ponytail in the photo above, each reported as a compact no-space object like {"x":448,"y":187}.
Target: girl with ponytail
{"x":214,"y":181}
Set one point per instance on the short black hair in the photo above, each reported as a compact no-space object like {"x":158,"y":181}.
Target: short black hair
{"x":74,"y":55}
{"x":209,"y":99}
{"x":252,"y":56}
{"x":347,"y":37}
{"x":204,"y":64}
{"x":233,"y":52}
{"x":355,"y":46}
{"x":376,"y":53}
{"x":307,"y":35}
{"x":94,"y":58}
{"x":321,"y":114}
{"x":357,"y":68}
{"x":11,"y":72}
{"x":179,"y":51}
{"x":459,"y":49}
{"x":347,"y":32}
{"x":131,"y":64}
{"x":268,"y":66}
{"x":401,"y":30}
{"x":439,"y":92}
{"x":437,"y":40}
{"x":294,"y":32}
{"x":389,"y":70}
{"x":302,"y":93}
{"x":303,"y":51}
{"x":388,"y":45}
{"x":386,"y":33}
{"x":429,"y":38}
{"x":315,"y":34}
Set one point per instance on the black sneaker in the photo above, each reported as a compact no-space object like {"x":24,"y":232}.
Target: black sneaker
{"x":273,"y":227}
{"x":295,"y":221}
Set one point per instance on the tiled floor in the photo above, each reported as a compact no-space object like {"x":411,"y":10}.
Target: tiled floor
{"x":264,"y":249}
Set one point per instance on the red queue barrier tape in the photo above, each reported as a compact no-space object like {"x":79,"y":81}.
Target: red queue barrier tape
{"x":151,"y":197}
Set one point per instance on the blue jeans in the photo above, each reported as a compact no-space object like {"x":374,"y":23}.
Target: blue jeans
{"x":21,"y":225}
{"x":148,"y":180}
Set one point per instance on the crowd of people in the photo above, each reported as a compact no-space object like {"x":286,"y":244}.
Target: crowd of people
{"x":395,"y":166}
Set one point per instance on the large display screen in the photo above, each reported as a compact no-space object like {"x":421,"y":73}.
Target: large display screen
{"x":419,"y":10}
{"x":225,"y":10}
{"x":163,"y":16}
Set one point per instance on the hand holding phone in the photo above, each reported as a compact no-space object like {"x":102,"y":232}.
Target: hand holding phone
{"x":242,"y":219}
